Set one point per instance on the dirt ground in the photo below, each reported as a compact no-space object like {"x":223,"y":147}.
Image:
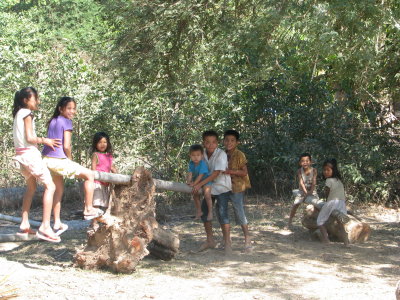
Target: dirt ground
{"x":283,"y":264}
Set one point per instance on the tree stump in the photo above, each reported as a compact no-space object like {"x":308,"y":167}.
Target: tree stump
{"x":356,"y":230}
{"x":122,"y":239}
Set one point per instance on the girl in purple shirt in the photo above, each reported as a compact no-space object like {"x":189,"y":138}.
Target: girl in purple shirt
{"x":59,"y":162}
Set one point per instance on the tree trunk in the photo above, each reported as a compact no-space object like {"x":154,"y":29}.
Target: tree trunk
{"x":356,"y":230}
{"x":123,"y":237}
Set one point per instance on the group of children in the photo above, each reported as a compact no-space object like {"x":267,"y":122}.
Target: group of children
{"x":222,"y":175}
{"x":334,"y":193}
{"x":56,"y":163}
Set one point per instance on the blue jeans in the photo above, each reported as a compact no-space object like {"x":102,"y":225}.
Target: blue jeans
{"x":238,"y":208}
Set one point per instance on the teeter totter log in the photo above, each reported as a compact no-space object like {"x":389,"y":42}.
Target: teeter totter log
{"x":356,"y":230}
{"x":129,"y":231}
{"x":120,"y":179}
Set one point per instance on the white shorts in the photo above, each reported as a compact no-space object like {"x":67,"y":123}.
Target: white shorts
{"x":29,"y":162}
{"x":101,"y":195}
{"x":299,"y":197}
{"x":63,"y":166}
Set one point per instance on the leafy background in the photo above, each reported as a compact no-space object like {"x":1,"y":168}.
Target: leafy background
{"x":291,"y":76}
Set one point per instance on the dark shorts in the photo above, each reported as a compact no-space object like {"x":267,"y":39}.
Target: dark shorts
{"x":221,"y":208}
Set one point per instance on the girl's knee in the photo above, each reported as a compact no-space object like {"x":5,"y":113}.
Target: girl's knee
{"x":50,"y":186}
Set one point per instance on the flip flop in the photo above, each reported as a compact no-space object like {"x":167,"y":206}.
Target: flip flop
{"x":95,"y":215}
{"x":26,"y":231}
{"x":43,"y":236}
{"x":62,"y":229}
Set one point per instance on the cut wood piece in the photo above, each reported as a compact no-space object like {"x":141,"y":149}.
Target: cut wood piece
{"x":122,"y":239}
{"x":13,"y":237}
{"x":166,"y":238}
{"x":160,"y":252}
{"x":18,"y":220}
{"x":356,"y":230}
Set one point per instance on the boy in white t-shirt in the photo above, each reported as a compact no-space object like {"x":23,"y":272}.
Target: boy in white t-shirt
{"x":217,"y":162}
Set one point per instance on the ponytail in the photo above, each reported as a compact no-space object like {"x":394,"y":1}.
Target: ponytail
{"x":19,"y":97}
{"x":62,"y":102}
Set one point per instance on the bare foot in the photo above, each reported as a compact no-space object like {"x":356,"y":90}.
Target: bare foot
{"x":228,"y":250}
{"x":198,"y":215}
{"x":207,"y":245}
{"x":210,"y":217}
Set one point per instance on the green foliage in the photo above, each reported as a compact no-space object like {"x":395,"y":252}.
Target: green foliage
{"x":291,"y":76}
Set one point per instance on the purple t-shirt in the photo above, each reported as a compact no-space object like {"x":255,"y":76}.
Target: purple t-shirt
{"x":56,"y":131}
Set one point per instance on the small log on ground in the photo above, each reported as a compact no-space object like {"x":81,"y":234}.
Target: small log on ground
{"x":123,"y":237}
{"x":356,"y":230}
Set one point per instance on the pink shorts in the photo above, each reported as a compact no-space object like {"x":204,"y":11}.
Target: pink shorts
{"x":30,"y":163}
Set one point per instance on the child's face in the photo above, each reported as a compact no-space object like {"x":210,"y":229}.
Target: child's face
{"x":230,"y":142}
{"x":101,"y":145}
{"x":305,"y":162}
{"x":210,"y":143}
{"x":69,"y":110}
{"x":196,"y":156}
{"x":327,"y":171}
{"x":32,"y":102}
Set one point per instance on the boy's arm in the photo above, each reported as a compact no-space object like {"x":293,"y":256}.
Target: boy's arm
{"x":213,"y":175}
{"x":198,"y":179}
{"x":314,"y":181}
{"x":242,"y":172}
{"x":301,"y":183}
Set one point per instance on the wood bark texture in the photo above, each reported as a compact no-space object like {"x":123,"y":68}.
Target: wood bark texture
{"x":122,"y":238}
{"x":356,"y":230}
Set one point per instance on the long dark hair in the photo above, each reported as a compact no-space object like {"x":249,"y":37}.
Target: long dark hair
{"x":62,"y":102}
{"x":97,"y":137}
{"x":19,"y":97}
{"x":335,"y":171}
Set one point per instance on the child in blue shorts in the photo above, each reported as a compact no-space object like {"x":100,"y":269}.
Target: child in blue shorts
{"x":198,"y":171}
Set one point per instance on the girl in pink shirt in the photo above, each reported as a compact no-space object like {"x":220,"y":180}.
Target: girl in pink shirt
{"x":102,"y":161}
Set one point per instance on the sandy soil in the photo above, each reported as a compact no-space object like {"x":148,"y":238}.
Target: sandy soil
{"x":283,"y":264}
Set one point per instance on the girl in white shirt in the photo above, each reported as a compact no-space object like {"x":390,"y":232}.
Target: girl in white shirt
{"x":29,"y":160}
{"x":336,"y":199}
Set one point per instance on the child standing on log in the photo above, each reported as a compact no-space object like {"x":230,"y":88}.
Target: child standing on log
{"x":197,"y":171}
{"x":307,"y":177}
{"x":102,"y":160}
{"x":336,"y":199}
{"x":217,"y":162}
{"x":30,"y":161}
{"x":237,"y":169}
{"x":59,"y":162}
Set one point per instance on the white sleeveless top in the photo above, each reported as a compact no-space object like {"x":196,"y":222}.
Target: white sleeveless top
{"x":19,"y":129}
{"x":307,"y":179}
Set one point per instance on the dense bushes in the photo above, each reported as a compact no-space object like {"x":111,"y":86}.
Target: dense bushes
{"x":290,"y":76}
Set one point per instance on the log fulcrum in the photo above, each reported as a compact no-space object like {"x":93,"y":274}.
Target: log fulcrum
{"x":123,"y":238}
{"x":356,"y":230}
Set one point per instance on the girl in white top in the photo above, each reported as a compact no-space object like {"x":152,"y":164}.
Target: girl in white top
{"x":29,"y":160}
{"x":336,"y":199}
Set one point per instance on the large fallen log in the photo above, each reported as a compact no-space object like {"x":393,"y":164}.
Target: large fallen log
{"x":122,"y":239}
{"x":356,"y":230}
{"x":160,"y":185}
